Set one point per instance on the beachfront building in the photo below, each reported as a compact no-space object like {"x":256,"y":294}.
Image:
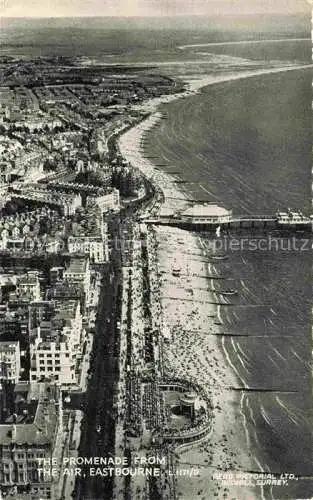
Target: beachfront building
{"x":206,"y":213}
{"x":188,"y":404}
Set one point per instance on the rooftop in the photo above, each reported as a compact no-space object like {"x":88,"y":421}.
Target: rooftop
{"x":66,"y":309}
{"x":77,"y":266}
{"x":40,"y":430}
{"x":206,"y":210}
{"x":28,"y":279}
{"x":8,"y":344}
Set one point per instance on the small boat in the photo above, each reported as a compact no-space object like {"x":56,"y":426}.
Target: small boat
{"x":218,"y":257}
{"x":227,"y":292}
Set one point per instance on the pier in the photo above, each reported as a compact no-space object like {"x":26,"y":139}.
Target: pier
{"x":209,"y":217}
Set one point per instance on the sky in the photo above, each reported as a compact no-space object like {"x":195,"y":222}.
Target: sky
{"x":80,"y":8}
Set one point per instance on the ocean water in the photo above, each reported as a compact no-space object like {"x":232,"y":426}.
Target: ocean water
{"x":268,"y":341}
{"x":243,"y":144}
{"x":270,"y":346}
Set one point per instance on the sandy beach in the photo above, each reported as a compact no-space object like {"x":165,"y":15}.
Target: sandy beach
{"x":194,"y":351}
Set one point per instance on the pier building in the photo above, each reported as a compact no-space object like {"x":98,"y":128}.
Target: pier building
{"x":206,"y":213}
{"x":207,"y":216}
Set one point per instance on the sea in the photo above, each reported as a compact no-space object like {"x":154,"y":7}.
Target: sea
{"x":245,"y":145}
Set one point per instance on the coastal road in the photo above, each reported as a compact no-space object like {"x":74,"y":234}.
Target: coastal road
{"x":98,"y":432}
{"x":98,"y":427}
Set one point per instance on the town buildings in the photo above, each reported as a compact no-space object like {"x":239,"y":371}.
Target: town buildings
{"x":93,"y":246}
{"x":107,"y":202}
{"x":56,"y":193}
{"x":56,"y":342}
{"x":28,"y":285}
{"x":31,"y":431}
{"x":67,"y":203}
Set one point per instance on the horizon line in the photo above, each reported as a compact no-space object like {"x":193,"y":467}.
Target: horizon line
{"x":171,"y":16}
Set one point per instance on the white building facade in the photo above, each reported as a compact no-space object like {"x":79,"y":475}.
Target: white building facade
{"x":10,"y":361}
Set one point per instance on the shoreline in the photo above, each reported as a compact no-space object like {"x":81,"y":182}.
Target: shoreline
{"x":192,"y":353}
